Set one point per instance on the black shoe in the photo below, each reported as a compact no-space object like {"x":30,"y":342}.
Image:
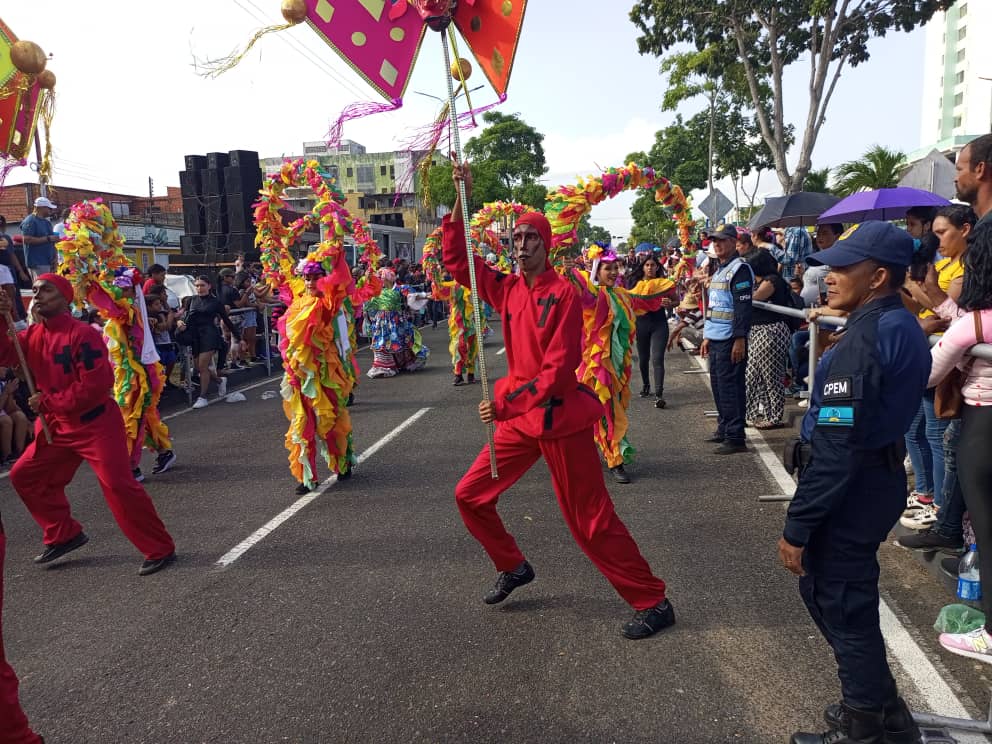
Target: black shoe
{"x":351,"y":400}
{"x":507,"y":581}
{"x":154,"y":565}
{"x":931,"y":540}
{"x":858,"y":727}
{"x":60,"y":549}
{"x":900,"y":728}
{"x":303,"y":489}
{"x":471,"y":379}
{"x":620,"y":475}
{"x":730,"y":448}
{"x":646,"y":391}
{"x":646,"y":623}
{"x":459,"y":380}
{"x":138,"y":475}
{"x":344,"y":475}
{"x":165,"y":461}
{"x":716,"y":439}
{"x":950,"y":566}
{"x":659,"y":403}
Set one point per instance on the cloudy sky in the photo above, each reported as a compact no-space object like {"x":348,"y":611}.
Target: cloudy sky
{"x":131,"y":104}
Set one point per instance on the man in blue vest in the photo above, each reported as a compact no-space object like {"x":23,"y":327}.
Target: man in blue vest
{"x":728,"y":321}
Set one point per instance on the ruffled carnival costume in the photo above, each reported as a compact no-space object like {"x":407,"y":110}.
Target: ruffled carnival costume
{"x":463,"y":341}
{"x":319,"y":371}
{"x":316,"y":332}
{"x":396,"y":344}
{"x":608,"y":315}
{"x":94,"y":261}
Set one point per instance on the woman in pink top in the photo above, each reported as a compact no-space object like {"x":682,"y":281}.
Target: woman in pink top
{"x":974,"y":463}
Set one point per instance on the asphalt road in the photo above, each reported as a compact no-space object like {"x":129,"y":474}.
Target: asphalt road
{"x":359,"y":618}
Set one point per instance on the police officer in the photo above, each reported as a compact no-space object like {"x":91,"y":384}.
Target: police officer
{"x":852,"y":487}
{"x":728,"y":321}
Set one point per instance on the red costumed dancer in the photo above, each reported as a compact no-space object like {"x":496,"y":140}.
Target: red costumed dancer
{"x":540,"y":409}
{"x":14,"y":728}
{"x":73,"y":376}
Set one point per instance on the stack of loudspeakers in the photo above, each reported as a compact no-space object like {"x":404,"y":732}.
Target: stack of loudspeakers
{"x":242,"y":180}
{"x":218,"y":190}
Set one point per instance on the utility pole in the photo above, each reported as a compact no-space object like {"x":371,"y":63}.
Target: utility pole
{"x":151,"y":199}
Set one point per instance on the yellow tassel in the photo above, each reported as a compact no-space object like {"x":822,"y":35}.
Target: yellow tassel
{"x":215,"y":67}
{"x":47,"y":108}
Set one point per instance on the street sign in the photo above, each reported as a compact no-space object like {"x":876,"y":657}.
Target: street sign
{"x":715,"y":206}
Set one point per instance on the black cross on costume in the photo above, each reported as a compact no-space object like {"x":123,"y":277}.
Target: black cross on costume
{"x":88,"y":355}
{"x":546,"y":303}
{"x":65,"y":359}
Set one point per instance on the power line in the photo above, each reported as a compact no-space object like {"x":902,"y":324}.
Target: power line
{"x":305,"y":52}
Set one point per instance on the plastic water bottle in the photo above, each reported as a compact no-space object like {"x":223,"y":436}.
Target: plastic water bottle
{"x":969,"y":581}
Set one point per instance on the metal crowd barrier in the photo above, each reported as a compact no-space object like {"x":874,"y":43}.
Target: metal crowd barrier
{"x":981,"y":351}
{"x":269,"y":345}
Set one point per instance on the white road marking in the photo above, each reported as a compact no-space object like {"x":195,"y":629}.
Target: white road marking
{"x":501,"y":351}
{"x":930,"y":685}
{"x":258,"y":535}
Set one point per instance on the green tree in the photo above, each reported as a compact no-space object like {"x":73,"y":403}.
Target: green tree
{"x":765,"y":37}
{"x":818,"y":180}
{"x":531,"y":193}
{"x":879,"y":168}
{"x":589,"y":233}
{"x":486,"y":185}
{"x":511,"y":146}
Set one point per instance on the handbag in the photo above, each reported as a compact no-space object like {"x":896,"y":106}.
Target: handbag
{"x":947,"y":398}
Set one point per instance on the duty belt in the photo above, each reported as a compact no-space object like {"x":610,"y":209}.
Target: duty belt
{"x":720,"y":315}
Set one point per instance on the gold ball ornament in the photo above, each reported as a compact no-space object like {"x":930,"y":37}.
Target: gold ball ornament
{"x":28,"y":57}
{"x":466,"y":69}
{"x":294,"y":11}
{"x":47,"y":79}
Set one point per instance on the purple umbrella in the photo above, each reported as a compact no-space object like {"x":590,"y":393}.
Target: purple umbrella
{"x":883,"y":204}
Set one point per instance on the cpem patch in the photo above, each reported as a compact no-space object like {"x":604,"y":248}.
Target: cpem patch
{"x":838,"y":388}
{"x":839,"y":416}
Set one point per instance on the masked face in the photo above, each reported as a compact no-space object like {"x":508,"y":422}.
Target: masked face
{"x":529,"y":249}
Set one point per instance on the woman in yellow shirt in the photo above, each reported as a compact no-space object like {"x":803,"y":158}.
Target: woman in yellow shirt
{"x":932,"y":298}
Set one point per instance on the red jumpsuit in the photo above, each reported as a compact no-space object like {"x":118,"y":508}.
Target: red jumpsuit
{"x":542,"y":410}
{"x":72,"y":372}
{"x":14,"y":728}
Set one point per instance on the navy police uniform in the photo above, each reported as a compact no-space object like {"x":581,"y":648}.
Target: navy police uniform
{"x":728,"y":318}
{"x":852,"y":486}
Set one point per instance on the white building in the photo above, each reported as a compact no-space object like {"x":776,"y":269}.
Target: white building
{"x":957,"y":82}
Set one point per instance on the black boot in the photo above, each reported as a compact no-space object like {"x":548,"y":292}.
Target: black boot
{"x":900,"y":728}
{"x":862,"y":727}
{"x":646,"y":391}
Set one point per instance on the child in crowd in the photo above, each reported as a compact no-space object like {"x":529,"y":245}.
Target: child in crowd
{"x":163,"y":322}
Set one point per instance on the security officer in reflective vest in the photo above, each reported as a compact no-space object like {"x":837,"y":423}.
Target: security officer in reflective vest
{"x":852,"y":486}
{"x":728,"y":321}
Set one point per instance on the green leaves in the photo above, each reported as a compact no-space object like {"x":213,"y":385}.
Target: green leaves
{"x":753,"y":41}
{"x":511,"y":146}
{"x":879,"y":168}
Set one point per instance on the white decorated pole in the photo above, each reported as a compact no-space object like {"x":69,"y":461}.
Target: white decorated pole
{"x":476,"y":314}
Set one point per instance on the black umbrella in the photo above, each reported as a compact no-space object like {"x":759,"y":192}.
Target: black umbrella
{"x":793,"y":210}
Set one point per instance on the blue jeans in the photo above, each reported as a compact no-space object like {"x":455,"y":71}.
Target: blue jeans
{"x":799,"y":357}
{"x":952,"y":512}
{"x":934,"y":432}
{"x":918,"y":447}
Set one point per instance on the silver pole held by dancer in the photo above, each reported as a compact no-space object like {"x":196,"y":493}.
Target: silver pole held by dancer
{"x":476,"y":314}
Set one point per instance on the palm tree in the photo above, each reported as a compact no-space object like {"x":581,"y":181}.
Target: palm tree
{"x":818,"y":181}
{"x":878,"y":168}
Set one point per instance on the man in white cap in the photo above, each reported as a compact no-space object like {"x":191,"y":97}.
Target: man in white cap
{"x":40,"y":238}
